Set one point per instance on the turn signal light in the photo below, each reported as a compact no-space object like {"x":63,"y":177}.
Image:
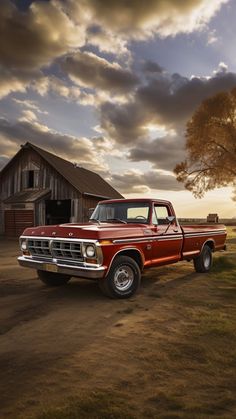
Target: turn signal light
{"x":89,"y":260}
{"x":105,"y":242}
{"x":26,"y":252}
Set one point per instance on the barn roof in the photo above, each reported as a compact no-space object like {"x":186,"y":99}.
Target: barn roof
{"x":31,"y":195}
{"x":84,"y":180}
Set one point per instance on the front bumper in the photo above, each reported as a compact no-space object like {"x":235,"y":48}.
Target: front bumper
{"x":62,"y":268}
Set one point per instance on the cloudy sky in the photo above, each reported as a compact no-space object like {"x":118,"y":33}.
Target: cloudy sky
{"x":111,"y":84}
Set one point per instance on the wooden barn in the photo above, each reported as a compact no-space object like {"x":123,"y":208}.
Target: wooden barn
{"x":38,"y":188}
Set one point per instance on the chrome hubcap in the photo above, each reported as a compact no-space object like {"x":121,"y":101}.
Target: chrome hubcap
{"x":123,"y":278}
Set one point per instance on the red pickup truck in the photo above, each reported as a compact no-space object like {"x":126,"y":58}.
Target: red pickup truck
{"x":122,"y":238}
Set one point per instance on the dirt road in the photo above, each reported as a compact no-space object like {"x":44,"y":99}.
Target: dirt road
{"x":58,"y":343}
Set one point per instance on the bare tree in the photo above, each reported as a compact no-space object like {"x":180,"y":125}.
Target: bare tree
{"x":210,"y":145}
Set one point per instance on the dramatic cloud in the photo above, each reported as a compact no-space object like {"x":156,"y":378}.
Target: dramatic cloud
{"x":107,"y":41}
{"x":151,"y":126}
{"x":174,"y":98}
{"x":12,"y":135}
{"x":26,"y":103}
{"x":48,"y":30}
{"x":165,"y":100}
{"x":164,"y":153}
{"x":54,"y":85}
{"x":142,"y":19}
{"x":28,"y":115}
{"x":89,"y":70}
{"x":133,"y":181}
{"x":82,"y":52}
{"x":35,"y":37}
{"x":12,"y":80}
{"x":152,"y":67}
{"x":124,"y":123}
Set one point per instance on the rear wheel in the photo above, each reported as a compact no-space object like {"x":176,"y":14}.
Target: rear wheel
{"x":203,"y":262}
{"x":123,"y":279}
{"x":53,"y":279}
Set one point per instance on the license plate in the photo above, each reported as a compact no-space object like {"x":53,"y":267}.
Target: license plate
{"x":50,"y":268}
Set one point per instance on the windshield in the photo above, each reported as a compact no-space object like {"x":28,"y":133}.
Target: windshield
{"x":124,"y":212}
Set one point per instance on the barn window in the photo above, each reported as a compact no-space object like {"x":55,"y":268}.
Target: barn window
{"x":30,"y":179}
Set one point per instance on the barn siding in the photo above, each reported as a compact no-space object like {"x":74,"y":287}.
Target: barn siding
{"x":87,"y":203}
{"x":12,"y":179}
{"x":12,"y":182}
{"x":1,"y":219}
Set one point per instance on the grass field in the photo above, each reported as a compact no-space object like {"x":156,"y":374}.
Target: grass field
{"x":192,"y":373}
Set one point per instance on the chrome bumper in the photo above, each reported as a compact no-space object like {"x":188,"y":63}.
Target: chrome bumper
{"x":81,"y":271}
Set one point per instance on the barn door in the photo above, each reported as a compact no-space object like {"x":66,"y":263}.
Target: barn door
{"x":17,"y":220}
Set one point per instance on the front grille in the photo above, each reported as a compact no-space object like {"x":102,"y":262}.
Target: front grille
{"x":39,"y":247}
{"x":66,"y":250}
{"x":58,"y":249}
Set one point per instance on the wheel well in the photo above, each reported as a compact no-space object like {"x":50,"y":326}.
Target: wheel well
{"x":134,"y":254}
{"x":210,"y":244}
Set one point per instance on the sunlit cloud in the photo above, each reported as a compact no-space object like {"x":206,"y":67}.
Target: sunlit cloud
{"x":83,"y":56}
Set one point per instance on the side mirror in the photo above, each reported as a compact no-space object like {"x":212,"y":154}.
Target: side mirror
{"x":171,"y":219}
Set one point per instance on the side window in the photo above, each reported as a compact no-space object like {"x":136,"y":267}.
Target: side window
{"x":160,"y":212}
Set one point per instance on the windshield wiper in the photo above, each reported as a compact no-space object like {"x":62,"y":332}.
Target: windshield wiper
{"x":116,"y":219}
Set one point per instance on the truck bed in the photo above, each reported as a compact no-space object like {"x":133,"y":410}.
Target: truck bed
{"x":196,"y":235}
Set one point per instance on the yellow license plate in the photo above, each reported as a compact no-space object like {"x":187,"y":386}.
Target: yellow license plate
{"x":50,"y":268}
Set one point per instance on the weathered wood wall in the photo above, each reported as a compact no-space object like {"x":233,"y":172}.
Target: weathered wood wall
{"x":12,"y":181}
{"x":87,"y":203}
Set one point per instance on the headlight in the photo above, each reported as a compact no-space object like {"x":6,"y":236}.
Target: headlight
{"x":23,"y":245}
{"x":90,"y":251}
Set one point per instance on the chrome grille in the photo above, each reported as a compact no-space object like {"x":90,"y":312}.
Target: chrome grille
{"x":66,"y":250}
{"x":39,"y":247}
{"x":58,"y":249}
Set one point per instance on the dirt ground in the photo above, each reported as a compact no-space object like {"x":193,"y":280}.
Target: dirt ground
{"x":69,"y":352}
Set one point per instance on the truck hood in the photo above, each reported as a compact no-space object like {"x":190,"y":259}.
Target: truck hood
{"x":90,"y":231}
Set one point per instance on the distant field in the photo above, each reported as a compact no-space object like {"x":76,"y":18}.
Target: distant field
{"x":227,"y":221}
{"x":169,"y":352}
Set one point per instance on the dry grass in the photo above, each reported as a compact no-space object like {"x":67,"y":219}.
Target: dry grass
{"x":186,"y":369}
{"x":168,"y":353}
{"x":105,"y":405}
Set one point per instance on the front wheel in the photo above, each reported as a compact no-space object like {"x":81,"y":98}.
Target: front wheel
{"x":53,"y":279}
{"x":203,"y":262}
{"x":123,"y":279}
